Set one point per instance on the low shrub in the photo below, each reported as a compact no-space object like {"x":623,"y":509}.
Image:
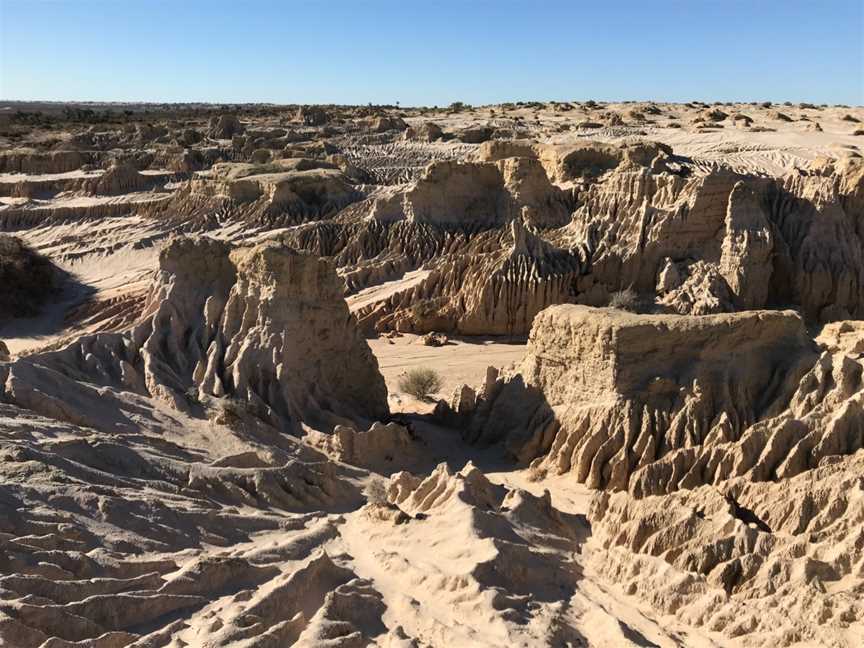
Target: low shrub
{"x":420,"y":383}
{"x":626,"y":299}
{"x":376,"y":492}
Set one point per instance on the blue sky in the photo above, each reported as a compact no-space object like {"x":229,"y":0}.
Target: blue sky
{"x":432,"y":52}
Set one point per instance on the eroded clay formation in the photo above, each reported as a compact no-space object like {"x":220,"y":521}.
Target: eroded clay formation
{"x":208,"y":318}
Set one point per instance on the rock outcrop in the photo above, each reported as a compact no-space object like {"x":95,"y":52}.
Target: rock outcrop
{"x":606,"y":394}
{"x":312,"y":115}
{"x":380,"y":447}
{"x":265,"y":326}
{"x":224,"y":127}
{"x":33,"y":161}
{"x":580,"y":160}
{"x":753,"y":560}
{"x":753,"y":243}
{"x":283,"y":192}
{"x":120,"y":178}
{"x":496,"y":293}
{"x":479,"y":193}
{"x":423,"y":132}
{"x":823,"y":422}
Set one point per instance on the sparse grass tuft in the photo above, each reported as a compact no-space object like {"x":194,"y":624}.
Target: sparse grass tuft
{"x":626,"y":299}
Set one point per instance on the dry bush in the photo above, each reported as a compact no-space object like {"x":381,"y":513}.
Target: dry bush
{"x":376,"y":492}
{"x":420,"y":383}
{"x":626,"y":299}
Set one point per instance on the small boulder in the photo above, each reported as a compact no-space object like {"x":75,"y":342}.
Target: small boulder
{"x":224,"y":127}
{"x":434,"y":339}
{"x":425,"y":132}
{"x":312,"y":115}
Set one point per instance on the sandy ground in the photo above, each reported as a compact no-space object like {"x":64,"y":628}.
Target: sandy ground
{"x":769,"y":146}
{"x":462,"y":361}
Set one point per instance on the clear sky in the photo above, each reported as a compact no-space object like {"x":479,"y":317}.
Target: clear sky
{"x":432,"y":52}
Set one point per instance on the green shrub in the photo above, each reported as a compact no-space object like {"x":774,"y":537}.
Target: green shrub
{"x":420,"y":383}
